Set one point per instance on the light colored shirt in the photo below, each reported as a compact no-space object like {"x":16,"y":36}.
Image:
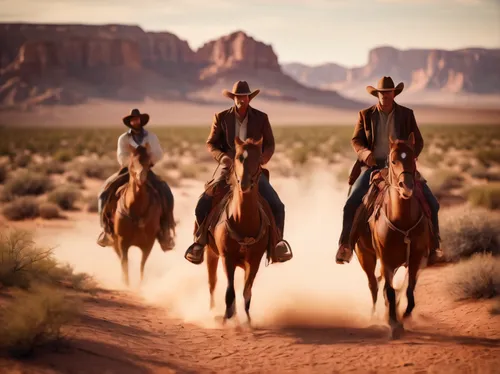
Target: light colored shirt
{"x":240,"y":126}
{"x":385,"y":127}
{"x":126,"y":139}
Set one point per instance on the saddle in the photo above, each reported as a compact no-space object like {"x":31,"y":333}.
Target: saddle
{"x":373,"y":201}
{"x":222,"y":193}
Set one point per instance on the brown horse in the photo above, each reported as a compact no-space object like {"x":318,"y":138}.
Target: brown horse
{"x":245,"y":229}
{"x":399,"y":232}
{"x":138,"y":212}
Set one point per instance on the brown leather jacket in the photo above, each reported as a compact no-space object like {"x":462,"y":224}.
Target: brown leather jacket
{"x":220,"y":141}
{"x":365,"y":132}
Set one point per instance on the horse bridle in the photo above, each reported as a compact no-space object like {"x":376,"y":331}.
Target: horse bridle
{"x":412,"y":172}
{"x":253,"y":179}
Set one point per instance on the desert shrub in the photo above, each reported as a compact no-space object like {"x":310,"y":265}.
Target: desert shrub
{"x":3,"y":173}
{"x":465,"y":231}
{"x":488,"y":156}
{"x":26,"y":207}
{"x":65,"y":196}
{"x":35,"y":319}
{"x":92,"y":204}
{"x":49,"y":167}
{"x":189,"y":171}
{"x":487,"y":195}
{"x":22,"y":160}
{"x":27,"y":183}
{"x":99,"y":169}
{"x":23,"y":262}
{"x":49,"y":210}
{"x":445,"y":179}
{"x":64,"y":155}
{"x":476,"y":278}
{"x":74,"y":178}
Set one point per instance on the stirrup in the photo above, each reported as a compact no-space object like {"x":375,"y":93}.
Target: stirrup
{"x":189,"y":254}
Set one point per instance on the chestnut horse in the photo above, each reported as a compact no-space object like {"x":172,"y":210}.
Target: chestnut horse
{"x":244,"y":231}
{"x":399,"y":232}
{"x":138,"y":212}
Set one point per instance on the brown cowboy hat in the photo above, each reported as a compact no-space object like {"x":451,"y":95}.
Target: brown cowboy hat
{"x":136,"y":113}
{"x":385,"y":84}
{"x":240,"y":88}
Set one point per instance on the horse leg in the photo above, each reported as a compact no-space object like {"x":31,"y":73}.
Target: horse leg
{"x":230,"y":268}
{"x":390,"y":296}
{"x":212,"y":264}
{"x":123,"y":250}
{"x":413,"y":268}
{"x":368,"y":261}
{"x":251,"y":269}
{"x":145,"y":254}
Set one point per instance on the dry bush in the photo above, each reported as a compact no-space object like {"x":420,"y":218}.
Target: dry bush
{"x":99,"y":169}
{"x":49,"y":210}
{"x":22,"y":160}
{"x":465,"y":231}
{"x":488,"y":156}
{"x":487,"y":196}
{"x":26,"y":207}
{"x":21,"y":261}
{"x":92,"y":204}
{"x":476,"y":278}
{"x":445,"y":179}
{"x":65,"y":196}
{"x":75,"y":178}
{"x":299,"y":155}
{"x":64,"y":155}
{"x":25,"y":183}
{"x":190,"y":171}
{"x":48,"y":167}
{"x":35,"y":319}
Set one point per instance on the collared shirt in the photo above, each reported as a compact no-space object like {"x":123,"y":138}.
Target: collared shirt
{"x":135,"y":140}
{"x":385,"y":127}
{"x":240,"y":125}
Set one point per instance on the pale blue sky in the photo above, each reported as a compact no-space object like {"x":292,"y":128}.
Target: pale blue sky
{"x":308,"y":31}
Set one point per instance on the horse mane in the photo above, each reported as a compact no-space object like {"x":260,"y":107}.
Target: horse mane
{"x":143,"y":154}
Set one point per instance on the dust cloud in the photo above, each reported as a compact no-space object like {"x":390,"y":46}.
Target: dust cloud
{"x":310,"y":290}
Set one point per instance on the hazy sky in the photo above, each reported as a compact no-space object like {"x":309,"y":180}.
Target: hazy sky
{"x":309,"y":31}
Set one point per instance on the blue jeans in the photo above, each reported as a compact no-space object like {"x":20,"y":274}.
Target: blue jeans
{"x":360,"y":189}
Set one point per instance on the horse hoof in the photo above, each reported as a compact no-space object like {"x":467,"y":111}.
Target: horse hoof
{"x":397,"y":331}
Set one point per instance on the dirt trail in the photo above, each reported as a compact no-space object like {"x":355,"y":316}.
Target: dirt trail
{"x":310,"y":314}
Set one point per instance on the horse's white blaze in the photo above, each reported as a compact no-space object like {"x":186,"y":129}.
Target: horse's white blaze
{"x":403,"y":155}
{"x":245,"y":154}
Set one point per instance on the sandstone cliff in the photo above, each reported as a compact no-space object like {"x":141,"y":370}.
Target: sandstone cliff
{"x":473,"y":70}
{"x":69,"y":64}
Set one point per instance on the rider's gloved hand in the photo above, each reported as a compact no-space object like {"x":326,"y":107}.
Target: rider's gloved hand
{"x":368,"y":158}
{"x":226,"y":161}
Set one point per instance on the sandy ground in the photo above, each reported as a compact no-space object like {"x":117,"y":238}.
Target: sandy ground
{"x":309,"y":315}
{"x":106,"y":113}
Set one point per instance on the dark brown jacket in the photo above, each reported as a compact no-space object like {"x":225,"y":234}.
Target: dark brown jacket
{"x":365,"y":132}
{"x":220,"y":141}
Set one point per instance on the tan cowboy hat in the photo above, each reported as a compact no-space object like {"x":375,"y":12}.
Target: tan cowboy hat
{"x":240,"y":88}
{"x":385,"y":84}
{"x":136,"y":113}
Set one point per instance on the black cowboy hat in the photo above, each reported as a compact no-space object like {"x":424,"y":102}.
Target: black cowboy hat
{"x":240,"y":88}
{"x":136,"y":113}
{"x":385,"y":84}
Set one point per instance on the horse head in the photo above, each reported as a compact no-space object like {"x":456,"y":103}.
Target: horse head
{"x":402,"y":165}
{"x":140,"y":163}
{"x":246,"y":165}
